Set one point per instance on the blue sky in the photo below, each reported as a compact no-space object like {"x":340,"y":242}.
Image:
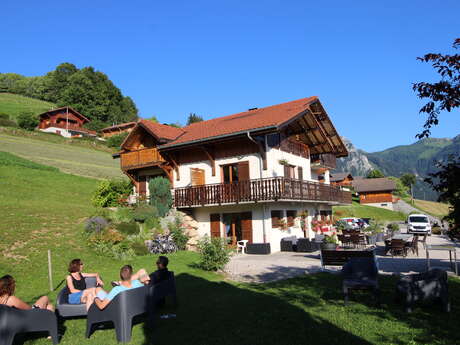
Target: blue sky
{"x":220,"y":57}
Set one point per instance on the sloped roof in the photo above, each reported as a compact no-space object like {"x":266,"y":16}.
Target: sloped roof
{"x":65,"y":108}
{"x":272,"y":116}
{"x":121,"y":125}
{"x":162,"y":132}
{"x":374,"y":185}
{"x":339,"y":176}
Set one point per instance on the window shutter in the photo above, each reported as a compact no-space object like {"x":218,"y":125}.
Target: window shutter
{"x":215,"y":225}
{"x":243,"y":171}
{"x":300,"y":173}
{"x":246,"y":226}
{"x":197,"y":177}
{"x":287,"y":171}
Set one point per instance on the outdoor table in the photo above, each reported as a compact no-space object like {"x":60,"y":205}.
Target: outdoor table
{"x":450,"y":248}
{"x":404,"y":237}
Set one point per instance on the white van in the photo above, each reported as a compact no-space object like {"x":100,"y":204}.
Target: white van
{"x":418,"y":223}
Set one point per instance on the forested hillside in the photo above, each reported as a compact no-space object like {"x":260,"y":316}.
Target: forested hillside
{"x":88,"y":91}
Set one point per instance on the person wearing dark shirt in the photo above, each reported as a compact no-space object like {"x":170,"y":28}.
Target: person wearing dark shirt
{"x":162,"y":272}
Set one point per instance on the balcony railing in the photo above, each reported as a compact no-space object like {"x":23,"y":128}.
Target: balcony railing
{"x":140,"y":158}
{"x":295,"y":147}
{"x":267,"y":189}
{"x":324,"y":160}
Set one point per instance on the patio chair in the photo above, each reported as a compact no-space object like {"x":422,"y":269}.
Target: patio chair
{"x":358,"y":239}
{"x":431,"y":285}
{"x":345,"y":240}
{"x":360,"y":274}
{"x":121,"y":311}
{"x":306,"y":245}
{"x":398,"y":247}
{"x":241,"y":245}
{"x":287,"y":244}
{"x":64,"y":309}
{"x":14,"y":321}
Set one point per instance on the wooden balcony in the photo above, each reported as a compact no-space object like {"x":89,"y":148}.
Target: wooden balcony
{"x":267,"y":189}
{"x":295,"y":147}
{"x":140,"y":159}
{"x":324,"y":160}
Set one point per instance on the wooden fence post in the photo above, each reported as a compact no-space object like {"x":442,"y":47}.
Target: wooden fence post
{"x":50,"y":271}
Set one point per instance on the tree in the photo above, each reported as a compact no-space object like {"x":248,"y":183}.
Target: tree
{"x":375,"y":174}
{"x":408,"y":179}
{"x":446,"y":182}
{"x":27,"y":121}
{"x":193,"y":118}
{"x":444,"y":95}
{"x":153,"y":119}
{"x":160,"y":195}
{"x":401,"y":189}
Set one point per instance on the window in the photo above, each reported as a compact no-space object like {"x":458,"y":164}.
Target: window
{"x":291,"y":216}
{"x":273,"y":140}
{"x":276,"y":217}
{"x":289,"y":171}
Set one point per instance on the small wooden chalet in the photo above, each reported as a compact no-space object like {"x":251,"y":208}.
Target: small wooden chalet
{"x":375,"y":191}
{"x":64,"y":121}
{"x":118,"y":129}
{"x":341,"y":179}
{"x":258,"y":175}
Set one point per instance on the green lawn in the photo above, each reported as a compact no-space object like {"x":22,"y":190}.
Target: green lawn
{"x":363,"y":211}
{"x":13,"y":105}
{"x":74,"y":156}
{"x":44,"y":208}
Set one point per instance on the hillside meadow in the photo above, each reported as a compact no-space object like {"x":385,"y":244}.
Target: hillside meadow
{"x":364,"y":211}
{"x":75,"y":156}
{"x":13,"y":105}
{"x":44,"y":208}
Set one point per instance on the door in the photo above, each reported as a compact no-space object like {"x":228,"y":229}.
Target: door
{"x":215,"y":224}
{"x":198,"y":181}
{"x":236,"y":181}
{"x":238,"y":226}
{"x":142,"y":185}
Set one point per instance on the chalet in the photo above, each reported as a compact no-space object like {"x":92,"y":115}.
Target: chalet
{"x":341,"y":179}
{"x":66,"y":122}
{"x":375,"y":191}
{"x":118,"y":129}
{"x":248,"y":176}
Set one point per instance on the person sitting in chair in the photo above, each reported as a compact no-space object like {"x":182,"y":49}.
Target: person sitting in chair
{"x":126,"y":272}
{"x":162,"y":272}
{"x":77,"y":285}
{"x":7,"y":288}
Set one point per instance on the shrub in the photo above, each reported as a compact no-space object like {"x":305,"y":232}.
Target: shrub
{"x":115,"y":141}
{"x":179,"y":237}
{"x":436,"y":230}
{"x":160,"y":195}
{"x":214,"y":254}
{"x":109,"y":192}
{"x":143,"y":212}
{"x":5,"y":121}
{"x":27,"y":121}
{"x":128,"y":228}
{"x":152,"y":223}
{"x":107,"y":236}
{"x":122,"y":214}
{"x":96,"y":224}
{"x":139,"y":248}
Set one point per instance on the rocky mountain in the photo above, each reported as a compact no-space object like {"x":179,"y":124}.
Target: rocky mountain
{"x":356,"y":163}
{"x":418,"y":158}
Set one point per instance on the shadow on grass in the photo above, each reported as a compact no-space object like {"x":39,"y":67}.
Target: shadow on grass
{"x":223,"y":313}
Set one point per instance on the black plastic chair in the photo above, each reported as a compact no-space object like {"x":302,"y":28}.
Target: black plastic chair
{"x":360,"y":274}
{"x":165,"y":288}
{"x":14,"y":321}
{"x":121,"y":311}
{"x":431,"y":285}
{"x":306,"y":245}
{"x":64,"y":309}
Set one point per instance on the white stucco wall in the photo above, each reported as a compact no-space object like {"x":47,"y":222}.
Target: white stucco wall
{"x":261,"y":214}
{"x":55,"y":130}
{"x":387,"y":205}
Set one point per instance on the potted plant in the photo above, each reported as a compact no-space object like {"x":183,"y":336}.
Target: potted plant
{"x":283,"y":162}
{"x":282,"y":224}
{"x":372,"y":232}
{"x":329,"y":242}
{"x":392,"y":229}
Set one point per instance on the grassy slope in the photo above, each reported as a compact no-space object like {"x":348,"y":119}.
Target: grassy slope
{"x":70,"y":156}
{"x":363,"y":211}
{"x":304,"y":310}
{"x":13,"y":105}
{"x":437,"y":209}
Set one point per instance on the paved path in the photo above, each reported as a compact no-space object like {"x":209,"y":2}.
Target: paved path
{"x":282,"y":265}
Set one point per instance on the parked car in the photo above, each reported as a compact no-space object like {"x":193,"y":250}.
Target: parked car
{"x":355,"y":223}
{"x":418,"y":224}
